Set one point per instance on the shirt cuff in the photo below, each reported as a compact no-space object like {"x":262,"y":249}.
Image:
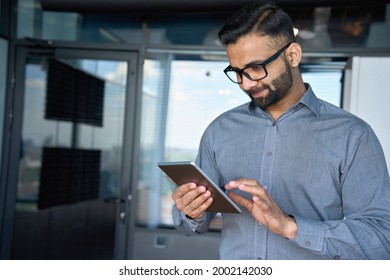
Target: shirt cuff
{"x":194,"y":224}
{"x":311,"y":235}
{"x":185,"y":223}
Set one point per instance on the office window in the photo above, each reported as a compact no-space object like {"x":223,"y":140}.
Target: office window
{"x":326,"y":85}
{"x":3,"y":76}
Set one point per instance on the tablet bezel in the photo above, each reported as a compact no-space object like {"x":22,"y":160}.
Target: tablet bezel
{"x":188,"y":171}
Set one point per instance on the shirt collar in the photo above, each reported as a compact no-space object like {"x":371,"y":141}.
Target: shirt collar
{"x":309,"y":99}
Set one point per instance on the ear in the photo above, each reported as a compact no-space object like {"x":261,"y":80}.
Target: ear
{"x":294,"y":54}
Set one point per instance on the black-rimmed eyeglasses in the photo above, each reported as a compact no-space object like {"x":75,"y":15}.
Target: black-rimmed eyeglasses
{"x":253,"y":72}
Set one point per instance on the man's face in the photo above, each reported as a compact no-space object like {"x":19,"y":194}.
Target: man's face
{"x":276,"y":91}
{"x":271,"y":89}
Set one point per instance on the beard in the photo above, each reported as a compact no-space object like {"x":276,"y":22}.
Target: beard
{"x":282,"y":85}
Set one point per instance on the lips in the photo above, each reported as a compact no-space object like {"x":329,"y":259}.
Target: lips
{"x":258,"y":93}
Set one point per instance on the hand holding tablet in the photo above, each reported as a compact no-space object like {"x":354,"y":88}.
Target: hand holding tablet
{"x":186,"y":172}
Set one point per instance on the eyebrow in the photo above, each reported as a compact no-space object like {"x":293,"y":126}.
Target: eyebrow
{"x":252,"y":63}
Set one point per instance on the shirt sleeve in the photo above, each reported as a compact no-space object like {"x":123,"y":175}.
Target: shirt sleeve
{"x":191,"y":226}
{"x":364,"y":233}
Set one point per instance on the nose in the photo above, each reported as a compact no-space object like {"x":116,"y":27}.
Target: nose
{"x":247,"y":84}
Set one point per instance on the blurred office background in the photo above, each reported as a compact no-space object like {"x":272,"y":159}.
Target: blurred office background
{"x":93,"y":94}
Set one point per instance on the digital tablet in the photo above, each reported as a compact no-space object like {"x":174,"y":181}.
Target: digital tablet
{"x":187,"y":171}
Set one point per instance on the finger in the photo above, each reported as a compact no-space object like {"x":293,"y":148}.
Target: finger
{"x":269,"y":208}
{"x":199,"y":206}
{"x":232,"y":185}
{"x":254,"y":190}
{"x":196,"y":201}
{"x":189,"y":197}
{"x":182,"y":190}
{"x":236,"y":183}
{"x":239,"y":199}
{"x":261,"y":203}
{"x":249,"y":182}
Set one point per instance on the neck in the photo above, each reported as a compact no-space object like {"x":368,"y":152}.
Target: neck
{"x":293,"y":96}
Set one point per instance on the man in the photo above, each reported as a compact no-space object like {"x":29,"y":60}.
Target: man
{"x":311,"y":178}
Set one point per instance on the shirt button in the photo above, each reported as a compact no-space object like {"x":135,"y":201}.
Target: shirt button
{"x":265,"y":187}
{"x":295,"y":107}
{"x":307,"y":243}
{"x":269,"y":154}
{"x":259,"y":258}
{"x":274,"y":123}
{"x":337,"y":257}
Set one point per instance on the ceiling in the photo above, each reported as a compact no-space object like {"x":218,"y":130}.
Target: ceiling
{"x":142,"y":7}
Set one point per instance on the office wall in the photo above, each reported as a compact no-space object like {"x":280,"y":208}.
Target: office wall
{"x":367,"y":95}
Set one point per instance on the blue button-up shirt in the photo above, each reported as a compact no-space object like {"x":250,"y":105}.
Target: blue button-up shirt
{"x":319,"y":163}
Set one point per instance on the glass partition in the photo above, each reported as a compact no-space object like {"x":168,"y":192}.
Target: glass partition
{"x":331,"y":29}
{"x":354,"y":27}
{"x":69,"y":180}
{"x":3,"y":76}
{"x":80,"y":120}
{"x":199,"y":30}
{"x":33,"y":22}
{"x":348,"y":28}
{"x":1,"y":16}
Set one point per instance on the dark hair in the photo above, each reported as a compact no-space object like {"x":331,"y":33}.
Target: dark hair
{"x":264,"y":19}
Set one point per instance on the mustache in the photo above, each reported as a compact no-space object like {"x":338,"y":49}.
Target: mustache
{"x":250,"y":92}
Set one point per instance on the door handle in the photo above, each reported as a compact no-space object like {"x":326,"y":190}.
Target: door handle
{"x":115,"y":200}
{"x":118,"y":200}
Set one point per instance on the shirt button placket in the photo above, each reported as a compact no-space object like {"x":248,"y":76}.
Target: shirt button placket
{"x":265,"y":173}
{"x":268,"y":154}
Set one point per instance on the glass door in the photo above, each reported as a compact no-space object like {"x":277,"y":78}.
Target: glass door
{"x":72,"y":192}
